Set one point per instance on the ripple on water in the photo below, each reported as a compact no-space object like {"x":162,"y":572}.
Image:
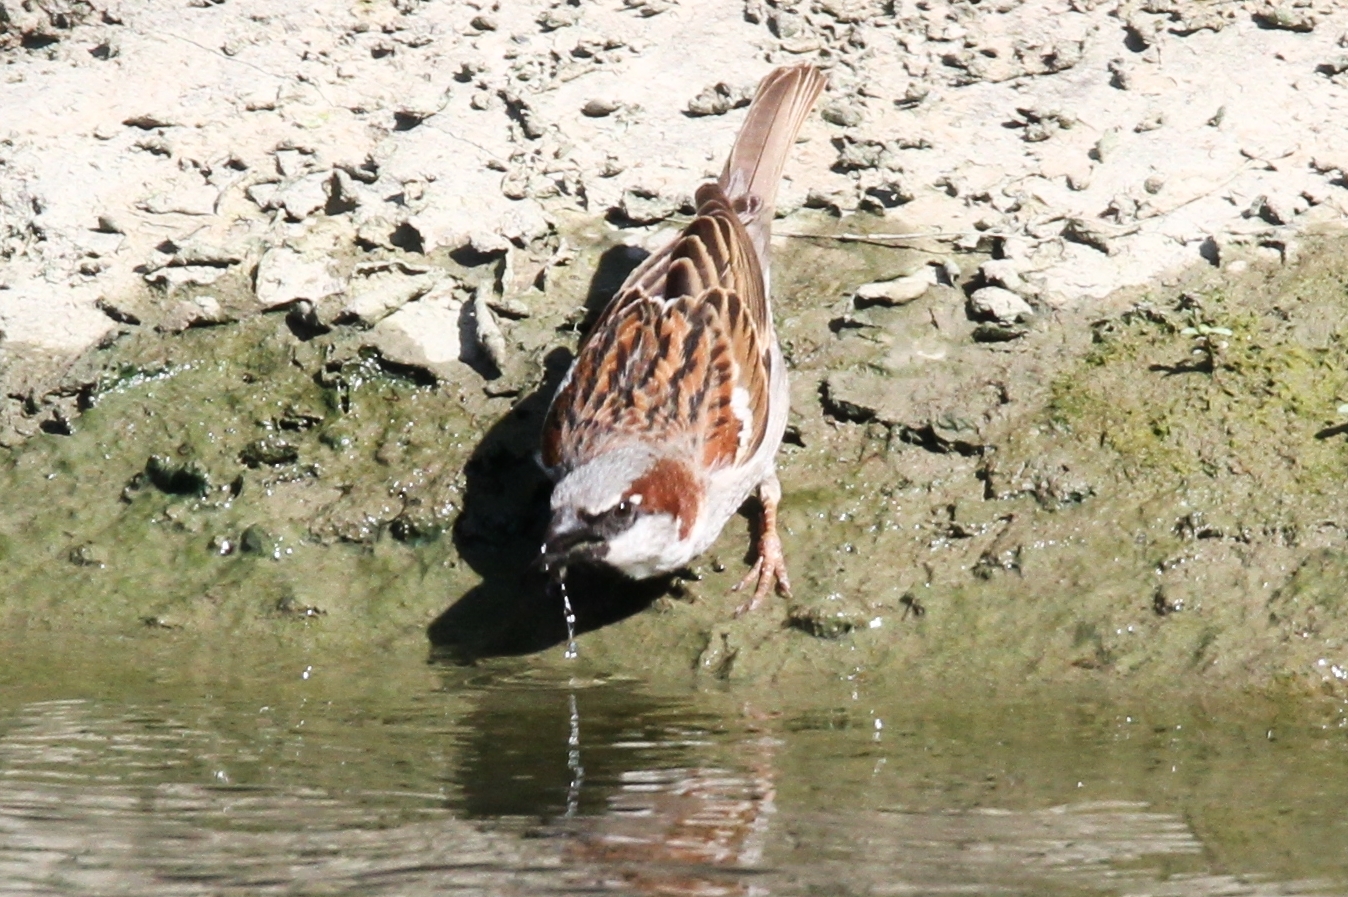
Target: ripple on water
{"x":505,"y":783}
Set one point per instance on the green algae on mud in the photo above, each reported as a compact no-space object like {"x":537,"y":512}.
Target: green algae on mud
{"x":1148,"y":497}
{"x":239,"y":480}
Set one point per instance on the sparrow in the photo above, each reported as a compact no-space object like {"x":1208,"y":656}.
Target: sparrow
{"x":672,"y":412}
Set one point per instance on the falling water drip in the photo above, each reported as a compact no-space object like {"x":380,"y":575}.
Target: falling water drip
{"x":573,"y":761}
{"x":570,"y":617}
{"x":567,"y":613}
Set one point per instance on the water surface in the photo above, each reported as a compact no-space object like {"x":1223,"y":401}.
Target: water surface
{"x":154,"y":768}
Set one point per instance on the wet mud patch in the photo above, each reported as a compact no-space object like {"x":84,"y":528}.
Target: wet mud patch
{"x":239,"y":478}
{"x":1147,"y":497}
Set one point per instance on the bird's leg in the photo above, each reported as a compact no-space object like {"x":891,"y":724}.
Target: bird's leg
{"x":770,"y":566}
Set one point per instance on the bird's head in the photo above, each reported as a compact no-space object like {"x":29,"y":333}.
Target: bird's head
{"x":630,"y":508}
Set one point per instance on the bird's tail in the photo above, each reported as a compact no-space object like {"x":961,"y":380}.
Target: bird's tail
{"x":754,"y":169}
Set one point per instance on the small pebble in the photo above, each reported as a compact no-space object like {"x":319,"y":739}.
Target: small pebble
{"x":599,"y":108}
{"x":1105,"y":146}
{"x":1286,"y":18}
{"x":718,"y":99}
{"x":1153,"y":121}
{"x":845,"y":115}
{"x":1336,"y":66}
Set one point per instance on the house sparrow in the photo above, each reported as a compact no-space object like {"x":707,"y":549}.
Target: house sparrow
{"x":672,"y":412}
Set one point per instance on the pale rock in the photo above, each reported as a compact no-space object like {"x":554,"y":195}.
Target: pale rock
{"x":1329,"y":160}
{"x":264,"y":194}
{"x":424,"y":334}
{"x":197,"y":252}
{"x":284,"y":276}
{"x":1316,"y":192}
{"x":329,"y":109}
{"x":292,"y":162}
{"x":57,"y":317}
{"x":999,"y":304}
{"x":643,"y":205}
{"x":525,"y":222}
{"x":195,"y":262}
{"x":423,"y":101}
{"x":195,"y":312}
{"x":1014,"y":247}
{"x":932,"y":210}
{"x":837,"y":200}
{"x":187,"y":200}
{"x":844,"y":113}
{"x":259,"y":99}
{"x":720,"y":98}
{"x":899,"y":291}
{"x":98,"y":243}
{"x":452,"y":215}
{"x":346,"y":193}
{"x":303,"y":196}
{"x":490,"y":339}
{"x":1003,"y":273}
{"x":1278,"y":208}
{"x":600,"y":108}
{"x":173,"y":276}
{"x":1327,"y":213}
{"x":376,"y":230}
{"x":486,"y":242}
{"x":374,"y":295}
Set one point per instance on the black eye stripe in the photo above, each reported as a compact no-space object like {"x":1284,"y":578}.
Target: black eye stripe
{"x":612,"y":521}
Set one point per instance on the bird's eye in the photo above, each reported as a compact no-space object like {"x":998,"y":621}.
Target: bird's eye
{"x":624,"y":510}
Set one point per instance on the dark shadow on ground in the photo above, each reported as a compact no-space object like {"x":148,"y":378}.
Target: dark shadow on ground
{"x":516,"y":609}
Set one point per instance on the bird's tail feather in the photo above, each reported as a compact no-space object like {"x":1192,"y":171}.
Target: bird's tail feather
{"x":754,"y":169}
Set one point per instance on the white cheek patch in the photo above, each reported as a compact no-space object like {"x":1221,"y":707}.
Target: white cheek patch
{"x":649,"y":547}
{"x":739,"y":406}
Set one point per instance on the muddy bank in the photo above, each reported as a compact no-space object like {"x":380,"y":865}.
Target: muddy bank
{"x":285,"y":294}
{"x":1145,"y":495}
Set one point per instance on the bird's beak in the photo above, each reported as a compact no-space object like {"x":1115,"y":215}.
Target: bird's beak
{"x":576,"y":543}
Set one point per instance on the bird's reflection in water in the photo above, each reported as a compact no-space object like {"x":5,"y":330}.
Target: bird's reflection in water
{"x":653,"y":798}
{"x":681,"y":831}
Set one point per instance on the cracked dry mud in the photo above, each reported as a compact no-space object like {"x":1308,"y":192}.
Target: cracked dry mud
{"x":284,"y":293}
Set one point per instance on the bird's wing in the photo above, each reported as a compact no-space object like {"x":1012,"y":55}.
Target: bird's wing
{"x":679,"y":356}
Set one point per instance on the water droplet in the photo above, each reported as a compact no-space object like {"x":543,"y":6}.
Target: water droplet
{"x":570,"y":616}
